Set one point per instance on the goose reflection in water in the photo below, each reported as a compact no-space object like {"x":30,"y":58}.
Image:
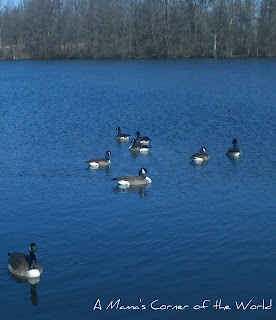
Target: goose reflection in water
{"x":135,"y":154}
{"x":122,"y":142}
{"x":141,"y":190}
{"x":199,"y":165}
{"x":95,"y":170}
{"x":33,"y":282}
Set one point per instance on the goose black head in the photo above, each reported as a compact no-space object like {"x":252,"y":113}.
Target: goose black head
{"x":137,"y":133}
{"x":118,"y":128}
{"x":33,"y":249}
{"x":203,"y":149}
{"x":108,"y":153}
{"x":234,"y":141}
{"x":143,"y":171}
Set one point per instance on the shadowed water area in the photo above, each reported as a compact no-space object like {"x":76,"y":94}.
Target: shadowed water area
{"x":198,"y":232}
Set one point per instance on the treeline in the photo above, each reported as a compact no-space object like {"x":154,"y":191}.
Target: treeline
{"x":44,"y":29}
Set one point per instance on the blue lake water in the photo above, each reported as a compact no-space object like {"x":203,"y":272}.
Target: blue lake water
{"x":197,"y":233}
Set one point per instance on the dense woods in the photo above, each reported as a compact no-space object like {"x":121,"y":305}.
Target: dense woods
{"x":43,"y":29}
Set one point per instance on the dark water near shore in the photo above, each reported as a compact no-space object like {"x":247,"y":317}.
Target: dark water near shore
{"x":198,"y":232}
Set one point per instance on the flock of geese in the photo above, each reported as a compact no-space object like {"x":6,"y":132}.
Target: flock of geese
{"x":139,"y":145}
{"x":26,"y":265}
{"x":142,"y":145}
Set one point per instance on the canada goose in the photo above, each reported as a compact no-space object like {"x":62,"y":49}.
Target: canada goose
{"x":122,"y":136}
{"x":137,"y":147}
{"x":142,"y":140}
{"x":201,"y":156}
{"x":100,"y":162}
{"x":24,"y":265}
{"x":132,"y":180}
{"x":234,"y":152}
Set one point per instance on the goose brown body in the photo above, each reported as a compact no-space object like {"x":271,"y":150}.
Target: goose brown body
{"x":138,"y":147}
{"x":201,"y":156}
{"x":133,"y":180}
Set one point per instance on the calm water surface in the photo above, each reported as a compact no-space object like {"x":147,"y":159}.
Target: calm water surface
{"x":198,"y":232}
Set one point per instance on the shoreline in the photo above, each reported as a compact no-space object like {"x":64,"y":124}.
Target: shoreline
{"x":137,"y":58}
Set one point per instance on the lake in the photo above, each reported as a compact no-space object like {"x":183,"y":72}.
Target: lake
{"x":198,"y":232}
